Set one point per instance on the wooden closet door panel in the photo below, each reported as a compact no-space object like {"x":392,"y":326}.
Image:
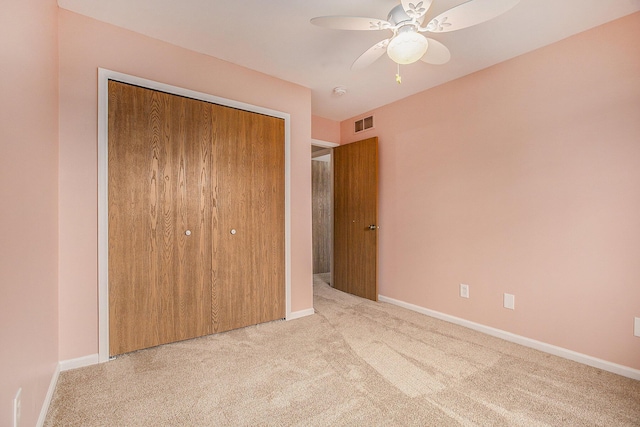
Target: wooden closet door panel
{"x":249,"y":250}
{"x":194,"y":198}
{"x":160,"y":186}
{"x":269,"y":197}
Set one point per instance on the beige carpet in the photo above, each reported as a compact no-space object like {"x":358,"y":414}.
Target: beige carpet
{"x":353,"y":363}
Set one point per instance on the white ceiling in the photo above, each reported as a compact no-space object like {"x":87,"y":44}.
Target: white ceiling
{"x":276,"y":38}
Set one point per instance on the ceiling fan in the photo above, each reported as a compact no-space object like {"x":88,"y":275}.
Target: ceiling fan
{"x":407,"y":45}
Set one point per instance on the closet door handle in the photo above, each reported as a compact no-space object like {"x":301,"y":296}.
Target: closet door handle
{"x":233,"y":231}
{"x":188,"y":232}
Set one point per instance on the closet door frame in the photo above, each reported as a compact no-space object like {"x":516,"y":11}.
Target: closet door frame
{"x":104,"y":76}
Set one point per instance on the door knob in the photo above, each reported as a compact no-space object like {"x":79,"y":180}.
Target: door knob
{"x":233,"y":231}
{"x":373,"y":227}
{"x":188,"y":232}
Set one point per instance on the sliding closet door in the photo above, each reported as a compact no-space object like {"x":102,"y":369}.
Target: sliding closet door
{"x":161,"y":201}
{"x":249,"y":251}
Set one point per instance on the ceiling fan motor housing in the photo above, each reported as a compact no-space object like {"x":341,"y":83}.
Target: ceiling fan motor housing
{"x":397,"y":15}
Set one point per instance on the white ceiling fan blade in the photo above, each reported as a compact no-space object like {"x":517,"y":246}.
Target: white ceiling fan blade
{"x":416,"y":8}
{"x":468,"y":14}
{"x":437,"y":53}
{"x":371,"y":55}
{"x":351,"y":23}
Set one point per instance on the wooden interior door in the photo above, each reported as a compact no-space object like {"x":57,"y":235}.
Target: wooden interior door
{"x":249,"y":251}
{"x":355,"y":234}
{"x":161,"y":200}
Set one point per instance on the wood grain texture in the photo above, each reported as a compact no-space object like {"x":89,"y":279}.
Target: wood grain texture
{"x":178,"y":164}
{"x":160,"y":171}
{"x":355,"y":190}
{"x":321,"y":215}
{"x":249,"y":274}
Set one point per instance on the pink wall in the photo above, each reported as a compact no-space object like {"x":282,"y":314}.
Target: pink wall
{"x":29,"y":207}
{"x":85,"y":45}
{"x":522,"y":178}
{"x":325,"y":129}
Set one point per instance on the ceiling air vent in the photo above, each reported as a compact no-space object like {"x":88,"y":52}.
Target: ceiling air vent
{"x":363,"y":124}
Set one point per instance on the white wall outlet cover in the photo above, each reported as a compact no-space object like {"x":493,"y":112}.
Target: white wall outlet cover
{"x":464,"y":290}
{"x":509,"y":301}
{"x":636,"y":326}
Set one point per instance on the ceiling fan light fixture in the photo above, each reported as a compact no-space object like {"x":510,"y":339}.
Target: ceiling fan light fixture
{"x":407,"y":47}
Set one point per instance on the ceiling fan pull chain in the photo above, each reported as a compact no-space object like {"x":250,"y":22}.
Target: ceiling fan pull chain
{"x":398,"y":77}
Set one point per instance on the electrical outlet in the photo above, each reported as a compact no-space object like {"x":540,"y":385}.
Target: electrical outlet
{"x":636,"y":326}
{"x":510,"y":301}
{"x":464,"y":290}
{"x":17,"y":408}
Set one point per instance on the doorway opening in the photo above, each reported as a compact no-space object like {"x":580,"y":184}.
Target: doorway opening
{"x":322,"y":210}
{"x":352,"y":218}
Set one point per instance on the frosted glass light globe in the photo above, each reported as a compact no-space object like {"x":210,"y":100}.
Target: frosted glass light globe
{"x":407,"y":47}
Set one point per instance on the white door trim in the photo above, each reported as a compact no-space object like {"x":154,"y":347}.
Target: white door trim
{"x":104,"y":76}
{"x":321,"y":143}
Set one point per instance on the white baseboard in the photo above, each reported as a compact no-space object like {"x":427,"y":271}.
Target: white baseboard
{"x":48,"y":397}
{"x":80,"y":362}
{"x":302,"y":313}
{"x":625,"y":371}
{"x":64,"y":365}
